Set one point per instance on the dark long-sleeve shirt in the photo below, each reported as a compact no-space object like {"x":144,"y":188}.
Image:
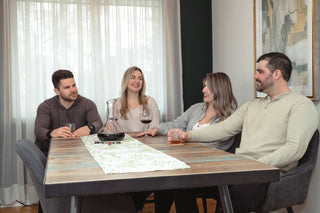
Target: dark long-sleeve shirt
{"x":52,"y":115}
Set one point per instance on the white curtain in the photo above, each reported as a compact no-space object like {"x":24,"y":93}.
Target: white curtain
{"x":97,"y":40}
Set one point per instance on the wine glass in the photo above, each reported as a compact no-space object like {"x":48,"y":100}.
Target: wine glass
{"x":145,"y":116}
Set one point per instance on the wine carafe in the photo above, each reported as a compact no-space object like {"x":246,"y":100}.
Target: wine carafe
{"x":111,"y":131}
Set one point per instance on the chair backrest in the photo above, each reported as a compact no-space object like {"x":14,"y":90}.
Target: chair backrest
{"x":292,"y":189}
{"x":35,"y":162}
{"x":235,"y":144}
{"x":310,"y":157}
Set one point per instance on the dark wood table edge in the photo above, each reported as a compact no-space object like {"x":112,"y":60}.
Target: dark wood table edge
{"x":167,"y":183}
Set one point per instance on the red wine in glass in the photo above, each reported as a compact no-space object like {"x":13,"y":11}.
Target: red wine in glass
{"x":145,"y":116}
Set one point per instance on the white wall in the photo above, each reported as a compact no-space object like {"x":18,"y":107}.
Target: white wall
{"x":233,"y":53}
{"x":233,"y":44}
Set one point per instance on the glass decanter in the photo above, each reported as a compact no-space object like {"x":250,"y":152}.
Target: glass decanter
{"x":111,"y":131}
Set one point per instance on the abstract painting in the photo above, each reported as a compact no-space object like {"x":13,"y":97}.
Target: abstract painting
{"x":287,"y":26}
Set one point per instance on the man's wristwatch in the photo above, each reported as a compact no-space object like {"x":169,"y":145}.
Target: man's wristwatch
{"x":49,"y":133}
{"x":91,"y":127}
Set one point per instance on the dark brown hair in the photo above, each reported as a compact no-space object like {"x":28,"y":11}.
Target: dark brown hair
{"x":59,"y":75}
{"x":278,"y":61}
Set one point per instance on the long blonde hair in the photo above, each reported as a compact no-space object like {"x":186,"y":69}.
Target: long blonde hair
{"x":124,"y":91}
{"x":224,"y":101}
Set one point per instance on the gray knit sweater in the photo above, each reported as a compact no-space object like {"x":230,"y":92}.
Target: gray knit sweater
{"x":188,"y":119}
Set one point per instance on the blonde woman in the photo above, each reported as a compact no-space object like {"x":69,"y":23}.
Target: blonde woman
{"x":132,"y":100}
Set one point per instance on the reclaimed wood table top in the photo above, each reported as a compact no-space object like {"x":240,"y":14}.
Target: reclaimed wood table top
{"x":71,"y":170}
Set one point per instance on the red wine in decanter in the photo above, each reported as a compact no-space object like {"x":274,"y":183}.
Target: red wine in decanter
{"x":146,"y":121}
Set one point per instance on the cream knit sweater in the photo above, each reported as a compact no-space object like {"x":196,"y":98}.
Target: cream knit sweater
{"x":275,"y":132}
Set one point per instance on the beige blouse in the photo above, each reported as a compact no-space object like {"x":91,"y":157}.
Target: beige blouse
{"x":133,"y":122}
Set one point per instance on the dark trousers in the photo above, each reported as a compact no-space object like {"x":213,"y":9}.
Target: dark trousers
{"x":139,"y":199}
{"x":245,"y":197}
{"x":162,"y":200}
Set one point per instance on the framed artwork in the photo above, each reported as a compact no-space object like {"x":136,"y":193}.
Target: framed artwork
{"x":287,"y":26}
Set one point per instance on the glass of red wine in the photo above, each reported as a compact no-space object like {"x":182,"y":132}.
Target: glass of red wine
{"x":145,"y":116}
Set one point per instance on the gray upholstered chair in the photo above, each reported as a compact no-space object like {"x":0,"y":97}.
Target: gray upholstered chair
{"x":35,"y":162}
{"x":292,"y":189}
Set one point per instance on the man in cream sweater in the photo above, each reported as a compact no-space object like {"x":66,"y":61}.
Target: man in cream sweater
{"x":275,"y":129}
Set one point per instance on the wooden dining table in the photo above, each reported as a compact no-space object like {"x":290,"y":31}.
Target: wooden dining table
{"x":72,"y":172}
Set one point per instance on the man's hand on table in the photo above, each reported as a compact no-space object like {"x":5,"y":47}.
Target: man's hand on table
{"x":82,"y":131}
{"x":65,"y":132}
{"x":172,"y":134}
{"x":62,"y":132}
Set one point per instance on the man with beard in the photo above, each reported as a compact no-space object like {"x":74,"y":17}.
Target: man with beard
{"x":275,"y":129}
{"x":66,"y":107}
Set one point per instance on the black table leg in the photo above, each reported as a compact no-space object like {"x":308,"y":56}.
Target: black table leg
{"x":75,"y":204}
{"x":225,"y":199}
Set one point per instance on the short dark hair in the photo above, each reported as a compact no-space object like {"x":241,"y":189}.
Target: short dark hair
{"x":60,"y":74}
{"x":280,"y":61}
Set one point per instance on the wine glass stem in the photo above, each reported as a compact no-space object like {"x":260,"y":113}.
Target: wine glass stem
{"x":147,"y":125}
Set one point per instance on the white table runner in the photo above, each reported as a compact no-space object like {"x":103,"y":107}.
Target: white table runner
{"x":130,"y":156}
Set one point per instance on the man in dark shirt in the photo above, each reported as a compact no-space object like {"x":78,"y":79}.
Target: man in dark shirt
{"x":66,"y":107}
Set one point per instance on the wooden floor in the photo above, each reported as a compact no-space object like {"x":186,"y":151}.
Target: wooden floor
{"x":148,"y":208}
